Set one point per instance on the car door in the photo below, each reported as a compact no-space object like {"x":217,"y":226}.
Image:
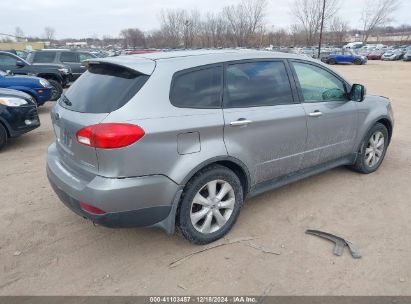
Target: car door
{"x":72,"y":60}
{"x":339,"y":57}
{"x":349,"y":57}
{"x":8,"y":62}
{"x":264,"y":127}
{"x":332,"y":118}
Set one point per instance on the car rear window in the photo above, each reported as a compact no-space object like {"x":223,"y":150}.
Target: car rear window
{"x":44,"y":57}
{"x":103,"y":88}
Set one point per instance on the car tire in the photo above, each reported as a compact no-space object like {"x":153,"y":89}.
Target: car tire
{"x":365,"y":163}
{"x":332,"y":61}
{"x":57,"y":89}
{"x":35,"y":100}
{"x":357,"y":61}
{"x":3,"y":136}
{"x":209,"y":221}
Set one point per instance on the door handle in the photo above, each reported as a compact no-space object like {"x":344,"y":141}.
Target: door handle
{"x":240,"y":122}
{"x":315,"y":114}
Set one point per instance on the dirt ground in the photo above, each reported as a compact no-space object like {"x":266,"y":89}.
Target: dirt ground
{"x":46,"y":249}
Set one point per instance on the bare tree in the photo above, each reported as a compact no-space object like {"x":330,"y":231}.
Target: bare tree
{"x":338,"y":30}
{"x":298,"y":35}
{"x":49,"y":33}
{"x":18,"y":32}
{"x":133,"y":37}
{"x":308,"y":16}
{"x":172,"y":26}
{"x":277,"y":37}
{"x":245,"y":20}
{"x":377,"y":13}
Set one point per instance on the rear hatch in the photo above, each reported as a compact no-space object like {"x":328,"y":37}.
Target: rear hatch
{"x":104,"y":88}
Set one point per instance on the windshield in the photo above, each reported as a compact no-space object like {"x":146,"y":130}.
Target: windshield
{"x":103,"y":88}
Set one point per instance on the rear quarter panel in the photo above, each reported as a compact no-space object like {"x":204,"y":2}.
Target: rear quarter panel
{"x":157,"y":152}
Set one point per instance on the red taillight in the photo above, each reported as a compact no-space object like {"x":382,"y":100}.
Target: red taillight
{"x":91,"y":209}
{"x":109,"y":135}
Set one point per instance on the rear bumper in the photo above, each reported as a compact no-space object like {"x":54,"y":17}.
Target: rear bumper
{"x":128,"y":202}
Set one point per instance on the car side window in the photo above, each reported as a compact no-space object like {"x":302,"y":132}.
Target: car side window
{"x":85,"y":56}
{"x":7,"y":60}
{"x":198,"y":88}
{"x":69,"y":57}
{"x":318,"y":84}
{"x":256,"y":84}
{"x":44,"y":57}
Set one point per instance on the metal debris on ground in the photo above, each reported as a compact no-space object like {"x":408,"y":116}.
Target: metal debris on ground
{"x":339,"y":243}
{"x":181,"y":286}
{"x":228,"y":242}
{"x":263,"y":249}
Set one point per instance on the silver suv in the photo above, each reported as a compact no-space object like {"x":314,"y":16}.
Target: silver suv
{"x":183,"y":138}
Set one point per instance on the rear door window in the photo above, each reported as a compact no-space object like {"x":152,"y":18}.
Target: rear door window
{"x":103,"y":88}
{"x":44,"y":57}
{"x":256,"y":84}
{"x":200,"y":88}
{"x":85,"y":56}
{"x":69,"y":57}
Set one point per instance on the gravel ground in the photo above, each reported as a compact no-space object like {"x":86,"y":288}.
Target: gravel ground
{"x":45,"y":249}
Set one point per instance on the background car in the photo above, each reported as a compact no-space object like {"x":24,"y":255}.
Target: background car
{"x":375,"y":55}
{"x":70,"y":58}
{"x":38,"y":88}
{"x":345,"y":56}
{"x":56,"y":74}
{"x":393,"y":55}
{"x":407,"y":55}
{"x":18,"y":114}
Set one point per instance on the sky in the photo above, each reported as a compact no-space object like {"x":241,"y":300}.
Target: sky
{"x":90,"y":18}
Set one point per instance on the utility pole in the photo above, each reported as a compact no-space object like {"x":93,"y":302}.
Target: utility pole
{"x":321,"y":29}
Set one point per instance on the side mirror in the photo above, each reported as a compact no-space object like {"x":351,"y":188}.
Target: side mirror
{"x":357,"y":92}
{"x":20,"y":64}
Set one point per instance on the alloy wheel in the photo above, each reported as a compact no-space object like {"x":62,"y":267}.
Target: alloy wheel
{"x":212,"y":206}
{"x":375,"y":149}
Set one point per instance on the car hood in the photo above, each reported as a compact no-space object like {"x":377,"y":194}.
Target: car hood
{"x":14,"y":93}
{"x":20,"y":80}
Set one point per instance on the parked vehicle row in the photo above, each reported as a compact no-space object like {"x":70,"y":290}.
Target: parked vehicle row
{"x":382,"y":52}
{"x":161,"y":140}
{"x":57,"y":75}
